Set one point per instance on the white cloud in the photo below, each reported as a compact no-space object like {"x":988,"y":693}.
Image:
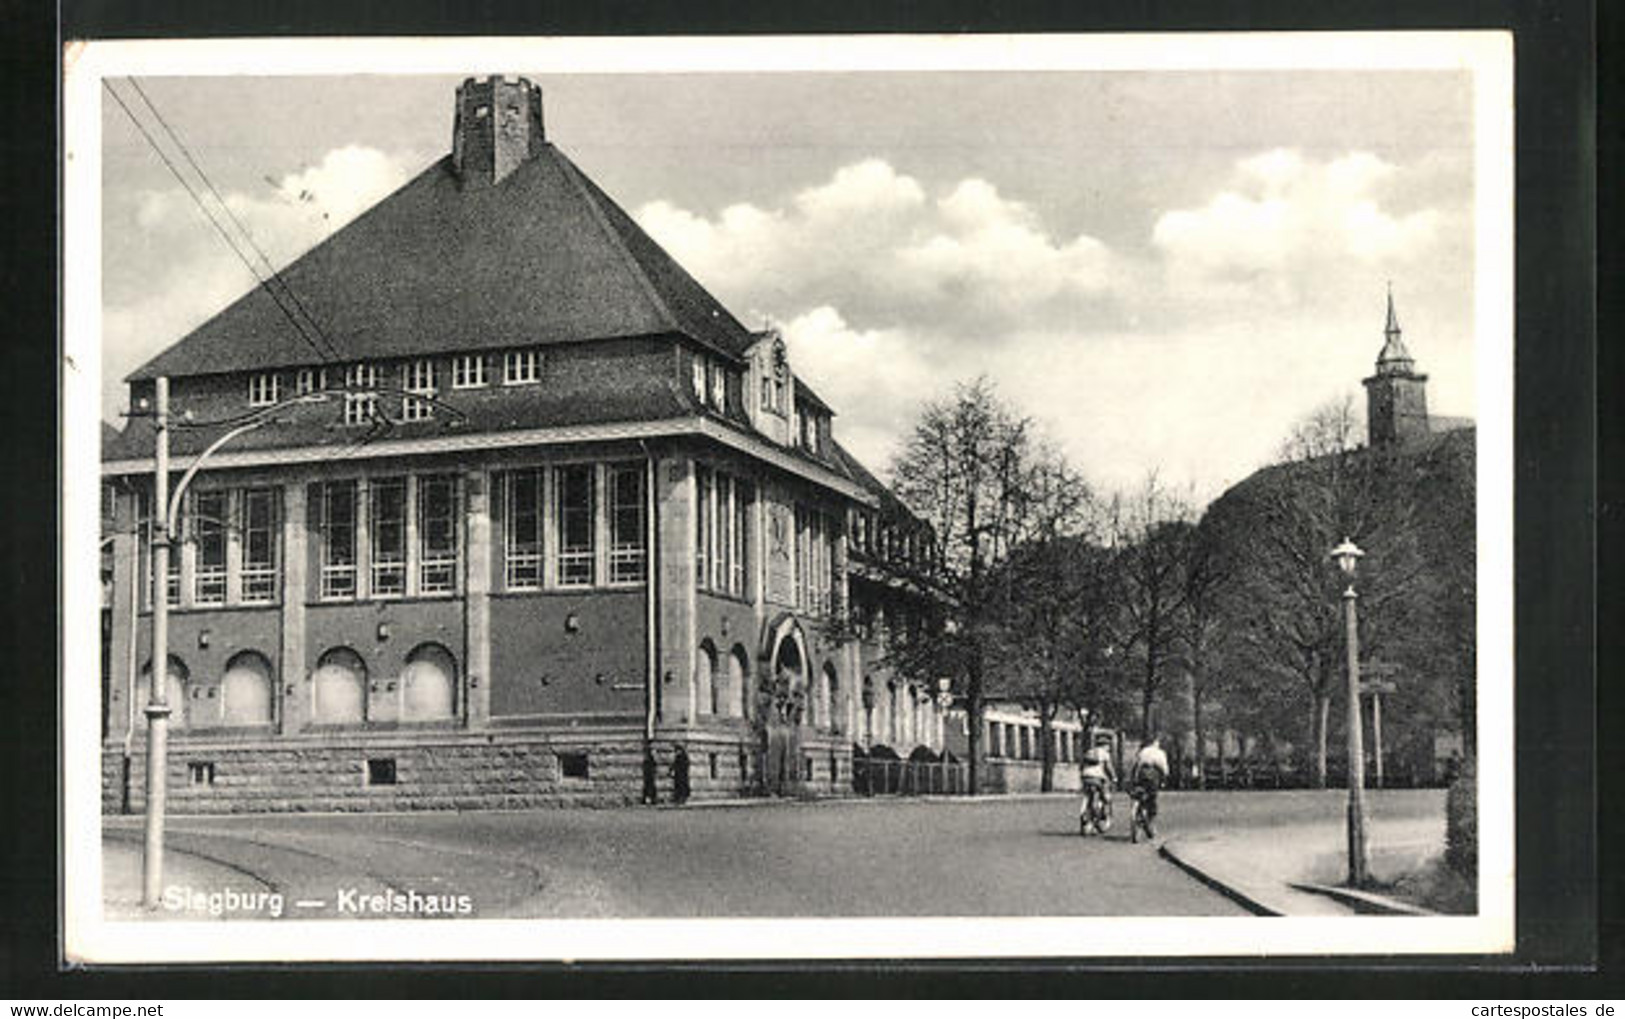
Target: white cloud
{"x":1289,"y":222}
{"x":190,"y":274}
{"x":869,"y":241}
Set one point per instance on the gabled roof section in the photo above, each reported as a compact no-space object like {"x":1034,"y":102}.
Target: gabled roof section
{"x":543,"y":257}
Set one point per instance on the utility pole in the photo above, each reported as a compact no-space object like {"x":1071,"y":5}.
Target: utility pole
{"x":158,"y":709}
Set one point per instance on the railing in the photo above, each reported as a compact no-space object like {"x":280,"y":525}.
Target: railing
{"x":872,"y":777}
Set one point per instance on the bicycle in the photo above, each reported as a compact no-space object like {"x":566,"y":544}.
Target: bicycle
{"x":1141,"y":821}
{"x":1097,"y":811}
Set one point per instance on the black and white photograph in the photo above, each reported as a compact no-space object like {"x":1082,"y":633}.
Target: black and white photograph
{"x":820,"y":497}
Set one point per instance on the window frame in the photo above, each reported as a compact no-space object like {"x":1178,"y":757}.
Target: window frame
{"x":628,"y":559}
{"x":521,"y":367}
{"x":250,"y":571}
{"x":387,"y":568}
{"x":445,"y":560}
{"x":570,"y":557}
{"x":469,"y":371}
{"x":418,"y":377}
{"x":264,"y":389}
{"x":327,"y":568}
{"x":360,"y":408}
{"x":534,"y":557}
{"x":213,"y":528}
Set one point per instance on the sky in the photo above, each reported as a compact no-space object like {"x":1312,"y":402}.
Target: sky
{"x":1164,"y":270}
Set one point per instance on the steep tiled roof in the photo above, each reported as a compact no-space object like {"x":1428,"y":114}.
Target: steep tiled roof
{"x":543,"y":257}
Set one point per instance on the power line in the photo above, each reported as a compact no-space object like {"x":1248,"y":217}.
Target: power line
{"x":214,"y":222}
{"x":275,"y":274}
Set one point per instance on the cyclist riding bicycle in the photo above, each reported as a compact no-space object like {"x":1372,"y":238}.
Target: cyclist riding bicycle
{"x":1149,"y":773}
{"x":1098,"y":776}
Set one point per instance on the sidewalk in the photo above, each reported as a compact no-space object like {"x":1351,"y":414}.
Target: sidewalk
{"x":1267,"y":869}
{"x":121,"y":880}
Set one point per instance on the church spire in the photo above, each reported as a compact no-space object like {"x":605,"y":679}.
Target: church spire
{"x":1396,"y":395}
{"x":1394,"y":359}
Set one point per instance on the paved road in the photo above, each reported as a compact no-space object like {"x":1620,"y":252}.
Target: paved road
{"x":991,"y":857}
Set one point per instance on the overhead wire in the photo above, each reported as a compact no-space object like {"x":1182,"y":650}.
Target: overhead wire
{"x":225,"y":235}
{"x":247,"y":236}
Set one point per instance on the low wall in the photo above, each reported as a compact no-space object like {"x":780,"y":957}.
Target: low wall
{"x":1007,"y":775}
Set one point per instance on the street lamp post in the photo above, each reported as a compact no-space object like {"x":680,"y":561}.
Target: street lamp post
{"x":166,"y":507}
{"x":152,"y":860}
{"x":1347,"y":556}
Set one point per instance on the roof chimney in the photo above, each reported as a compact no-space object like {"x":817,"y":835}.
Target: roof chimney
{"x":497,"y":127}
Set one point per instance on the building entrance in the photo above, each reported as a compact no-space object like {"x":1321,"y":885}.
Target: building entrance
{"x":783,"y":708}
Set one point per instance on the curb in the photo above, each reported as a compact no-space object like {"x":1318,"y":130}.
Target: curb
{"x":1365,"y":902}
{"x":1230,"y":892}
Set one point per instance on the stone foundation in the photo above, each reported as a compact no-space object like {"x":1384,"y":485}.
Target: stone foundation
{"x":445,"y":771}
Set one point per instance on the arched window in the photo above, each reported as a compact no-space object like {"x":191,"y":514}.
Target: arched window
{"x":175,"y":690}
{"x":429,"y":684}
{"x":705,"y":667}
{"x":340,"y":687}
{"x":832,"y":696}
{"x":246,"y":695}
{"x":738,"y":673}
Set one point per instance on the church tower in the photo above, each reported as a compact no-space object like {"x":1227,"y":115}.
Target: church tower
{"x":497,"y":127}
{"x":1396,"y":398}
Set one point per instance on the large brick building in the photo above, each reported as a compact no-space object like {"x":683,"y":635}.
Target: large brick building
{"x":558,"y":511}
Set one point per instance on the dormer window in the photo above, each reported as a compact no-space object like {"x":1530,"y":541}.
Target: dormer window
{"x":521,"y":366}
{"x":468,"y":371}
{"x":698,"y":378}
{"x":360,"y":405}
{"x":719,"y":386}
{"x":417,"y":377}
{"x":309,"y":380}
{"x":264,"y":390}
{"x":776,"y":380}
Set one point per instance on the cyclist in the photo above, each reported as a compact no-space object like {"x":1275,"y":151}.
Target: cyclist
{"x":1147,"y":776}
{"x":1098,"y":776}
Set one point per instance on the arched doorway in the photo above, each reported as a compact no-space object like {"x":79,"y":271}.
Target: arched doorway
{"x":783,"y":705}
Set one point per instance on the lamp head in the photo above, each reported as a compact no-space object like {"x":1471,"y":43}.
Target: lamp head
{"x":1347,"y":556}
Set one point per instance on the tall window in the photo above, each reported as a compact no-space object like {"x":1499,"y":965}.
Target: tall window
{"x":626,"y":524}
{"x":521,"y":366}
{"x":437,"y":534}
{"x":575,"y":517}
{"x":259,"y":545}
{"x":417,"y":377}
{"x":719,"y":384}
{"x":338,"y":539}
{"x":264,"y":390}
{"x":702,"y":526}
{"x":803,"y":552}
{"x":698,"y":376}
{"x":360,"y":407}
{"x":741,"y":513}
{"x":722,"y":565}
{"x":522,"y":556}
{"x":388,"y":533}
{"x":209,"y":528}
{"x":468,"y":371}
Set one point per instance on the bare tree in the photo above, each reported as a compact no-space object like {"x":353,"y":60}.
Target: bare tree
{"x":1280,"y":527}
{"x":964,"y":469}
{"x":1050,"y":600}
{"x":1154,"y":539}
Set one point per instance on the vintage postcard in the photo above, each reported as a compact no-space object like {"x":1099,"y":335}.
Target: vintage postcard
{"x":816,"y":497}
